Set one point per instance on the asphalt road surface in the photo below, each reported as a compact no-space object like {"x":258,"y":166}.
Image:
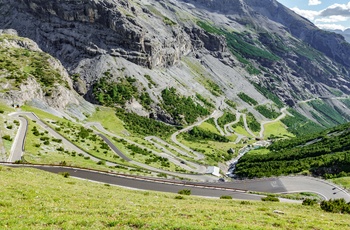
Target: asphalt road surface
{"x":271,"y":185}
{"x":236,"y":189}
{"x":18,"y":143}
{"x":144,"y":183}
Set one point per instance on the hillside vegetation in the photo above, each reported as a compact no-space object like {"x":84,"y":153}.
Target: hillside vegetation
{"x":324,"y":154}
{"x":54,"y":202}
{"x":17,"y":64}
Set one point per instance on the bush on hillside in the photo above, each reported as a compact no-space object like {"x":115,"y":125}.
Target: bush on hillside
{"x":270,"y":198}
{"x":335,"y":206}
{"x":185,"y":192}
{"x":309,"y":202}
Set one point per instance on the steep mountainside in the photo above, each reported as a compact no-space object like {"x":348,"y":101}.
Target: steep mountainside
{"x":211,"y":50}
{"x":345,"y":33}
{"x":28,"y":75}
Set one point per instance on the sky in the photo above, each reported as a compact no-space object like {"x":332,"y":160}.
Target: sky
{"x":325,"y":14}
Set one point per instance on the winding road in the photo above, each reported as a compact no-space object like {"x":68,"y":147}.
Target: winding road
{"x":283,"y":115}
{"x":199,"y":156}
{"x":17,"y":147}
{"x":236,"y":189}
{"x":190,"y":166}
{"x":20,"y":137}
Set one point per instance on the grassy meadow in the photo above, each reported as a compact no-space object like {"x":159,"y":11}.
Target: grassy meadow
{"x":52,"y":201}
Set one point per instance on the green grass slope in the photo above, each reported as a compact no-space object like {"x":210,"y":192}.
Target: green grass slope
{"x":33,"y":199}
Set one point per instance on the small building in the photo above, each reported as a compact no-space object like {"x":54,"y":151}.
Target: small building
{"x":213,"y":170}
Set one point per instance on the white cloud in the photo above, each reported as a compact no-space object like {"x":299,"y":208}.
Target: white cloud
{"x":309,"y":14}
{"x":331,"y":27}
{"x":337,"y":9}
{"x":332,"y":19}
{"x":314,"y":2}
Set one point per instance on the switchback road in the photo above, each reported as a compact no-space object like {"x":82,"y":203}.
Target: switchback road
{"x":237,"y":189}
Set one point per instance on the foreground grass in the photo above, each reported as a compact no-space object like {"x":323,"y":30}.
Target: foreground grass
{"x":33,"y":199}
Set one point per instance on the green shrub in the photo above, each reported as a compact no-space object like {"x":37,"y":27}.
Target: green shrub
{"x":270,"y":198}
{"x":7,"y":137}
{"x":184,"y":192}
{"x":323,"y":154}
{"x":335,"y":206}
{"x":144,"y":125}
{"x":46,"y":142}
{"x":245,"y":202}
{"x":162,"y":175}
{"x":61,"y":149}
{"x":181,"y":107}
{"x":309,"y":202}
{"x":111,"y":93}
{"x":198,"y":133}
{"x":168,"y":21}
{"x":65,"y":174}
{"x":57,"y":140}
{"x":9,"y":127}
{"x":267,"y":93}
{"x":231,"y":103}
{"x":253,"y":124}
{"x":205,"y":101}
{"x":236,"y":42}
{"x":267,"y":112}
{"x":226,"y":118}
{"x":2,"y":111}
{"x":226,"y":197}
{"x":179,"y":197}
{"x":247,"y":99}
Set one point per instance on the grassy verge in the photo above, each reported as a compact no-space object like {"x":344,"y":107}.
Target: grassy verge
{"x":260,"y":151}
{"x":51,"y":201}
{"x":215,"y":151}
{"x":241,"y":130}
{"x":8,"y":128}
{"x":276,"y":129}
{"x":54,"y":153}
{"x":292,"y":196}
{"x":106,"y":116}
{"x":343,"y":181}
{"x":90,"y":142}
{"x":36,"y":151}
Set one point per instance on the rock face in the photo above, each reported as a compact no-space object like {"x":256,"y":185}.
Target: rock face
{"x":242,"y":42}
{"x":58,"y":97}
{"x":74,"y":30}
{"x":345,"y":34}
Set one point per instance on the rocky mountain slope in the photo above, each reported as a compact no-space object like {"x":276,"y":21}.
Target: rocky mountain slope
{"x":211,"y":50}
{"x":345,"y":33}
{"x":28,"y":75}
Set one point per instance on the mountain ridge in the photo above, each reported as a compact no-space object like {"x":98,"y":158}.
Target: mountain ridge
{"x":253,"y":40}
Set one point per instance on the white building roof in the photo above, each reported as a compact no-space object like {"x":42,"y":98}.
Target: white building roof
{"x":213,"y":170}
